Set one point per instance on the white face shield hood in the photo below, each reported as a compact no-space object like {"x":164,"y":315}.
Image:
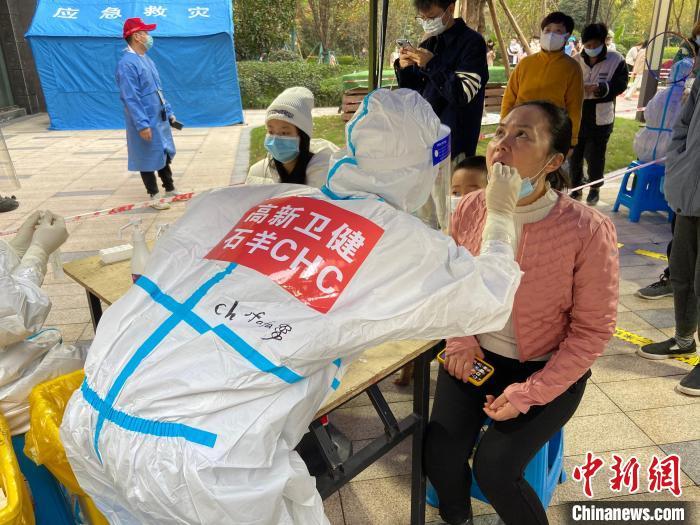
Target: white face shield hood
{"x":394,"y":147}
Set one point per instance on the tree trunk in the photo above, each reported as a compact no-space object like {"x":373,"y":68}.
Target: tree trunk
{"x":473,"y":14}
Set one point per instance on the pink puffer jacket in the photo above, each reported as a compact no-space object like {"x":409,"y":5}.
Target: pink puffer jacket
{"x":567,"y":300}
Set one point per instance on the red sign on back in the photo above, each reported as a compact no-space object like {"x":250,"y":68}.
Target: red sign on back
{"x":310,"y":247}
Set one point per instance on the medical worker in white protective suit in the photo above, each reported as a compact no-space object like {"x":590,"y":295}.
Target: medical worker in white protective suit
{"x":203,"y":378}
{"x":30,"y":355}
{"x":661,"y":113}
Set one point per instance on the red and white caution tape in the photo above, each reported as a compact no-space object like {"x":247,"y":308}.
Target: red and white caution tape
{"x":123,"y":208}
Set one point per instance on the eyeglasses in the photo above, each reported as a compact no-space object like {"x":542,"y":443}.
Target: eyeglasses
{"x":421,"y":18}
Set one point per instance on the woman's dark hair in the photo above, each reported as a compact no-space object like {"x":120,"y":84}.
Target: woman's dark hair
{"x":595,"y":31}
{"x":560,"y":131}
{"x":557,"y":17}
{"x":298,"y":174}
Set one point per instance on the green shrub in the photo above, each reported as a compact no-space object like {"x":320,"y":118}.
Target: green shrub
{"x":346,"y":60}
{"x":670,"y":52}
{"x":283,"y":55}
{"x":261,"y":82}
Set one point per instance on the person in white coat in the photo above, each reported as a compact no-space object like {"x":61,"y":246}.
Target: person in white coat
{"x":29,"y":354}
{"x":292,"y":155}
{"x":201,"y":382}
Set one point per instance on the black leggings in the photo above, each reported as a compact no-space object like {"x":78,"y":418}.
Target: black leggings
{"x":504,"y":450}
{"x":166,"y":177}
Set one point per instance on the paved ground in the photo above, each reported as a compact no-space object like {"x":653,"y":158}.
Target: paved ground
{"x":630,"y":406}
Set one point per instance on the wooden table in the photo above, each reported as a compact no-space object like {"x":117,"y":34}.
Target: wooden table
{"x":107,"y":283}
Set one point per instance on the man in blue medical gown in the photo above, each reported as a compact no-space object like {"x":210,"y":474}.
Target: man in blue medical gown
{"x":148,"y":115}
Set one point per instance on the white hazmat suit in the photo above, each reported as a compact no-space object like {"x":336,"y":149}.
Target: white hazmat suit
{"x":661,"y":113}
{"x":203,"y":378}
{"x":28,"y":354}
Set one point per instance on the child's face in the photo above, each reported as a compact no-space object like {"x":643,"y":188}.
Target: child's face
{"x":467,"y":180}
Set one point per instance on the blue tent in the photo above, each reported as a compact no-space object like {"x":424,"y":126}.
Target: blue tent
{"x":77,"y":44}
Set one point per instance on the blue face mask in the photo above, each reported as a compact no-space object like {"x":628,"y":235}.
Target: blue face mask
{"x":527,"y":187}
{"x":148,"y":44}
{"x":593,"y":52}
{"x":282,"y":149}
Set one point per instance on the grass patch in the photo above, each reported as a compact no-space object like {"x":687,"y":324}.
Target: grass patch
{"x":332,"y":128}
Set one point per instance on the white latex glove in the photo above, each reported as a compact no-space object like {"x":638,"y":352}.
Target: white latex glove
{"x":502,"y":194}
{"x":503,"y":189}
{"x":51,"y":233}
{"x":23,"y":239}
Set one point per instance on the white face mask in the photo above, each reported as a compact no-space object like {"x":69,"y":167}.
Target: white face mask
{"x":553,"y":41}
{"x":434,"y":26}
{"x":454,"y":201}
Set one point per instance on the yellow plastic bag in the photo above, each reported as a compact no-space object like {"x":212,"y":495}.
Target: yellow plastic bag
{"x":47,"y":402}
{"x":18,"y":509}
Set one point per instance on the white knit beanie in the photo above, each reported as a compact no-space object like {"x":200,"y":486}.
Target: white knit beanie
{"x":293,"y":105}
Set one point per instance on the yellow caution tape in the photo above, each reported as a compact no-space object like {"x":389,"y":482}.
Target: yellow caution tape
{"x":631,"y":338}
{"x":653,"y":255}
{"x":641,"y":341}
{"x":693,"y":360}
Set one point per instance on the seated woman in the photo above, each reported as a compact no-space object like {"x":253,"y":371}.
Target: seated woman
{"x":563,"y":316}
{"x":293,"y":157}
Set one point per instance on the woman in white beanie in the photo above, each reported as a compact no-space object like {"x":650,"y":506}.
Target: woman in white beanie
{"x":292,"y":156}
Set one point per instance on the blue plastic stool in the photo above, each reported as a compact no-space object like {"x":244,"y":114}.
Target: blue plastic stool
{"x":543,"y":473}
{"x":646,"y":192}
{"x":50,"y":504}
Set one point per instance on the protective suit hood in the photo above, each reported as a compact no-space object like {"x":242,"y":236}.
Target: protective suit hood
{"x":389,"y":151}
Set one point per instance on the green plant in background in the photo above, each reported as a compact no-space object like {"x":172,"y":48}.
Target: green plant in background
{"x":283,"y":55}
{"x":620,"y":151}
{"x":261,"y":82}
{"x":257,"y":30}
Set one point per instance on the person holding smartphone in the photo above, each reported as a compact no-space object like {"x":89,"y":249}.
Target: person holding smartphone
{"x":448,"y":68}
{"x":536,"y":367}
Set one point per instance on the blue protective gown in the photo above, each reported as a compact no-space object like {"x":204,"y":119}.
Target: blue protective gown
{"x":139,"y":88}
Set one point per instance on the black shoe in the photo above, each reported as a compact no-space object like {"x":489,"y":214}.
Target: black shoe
{"x":578,"y":195}
{"x":659,"y":289}
{"x":690,"y":384}
{"x":665,"y":350}
{"x":8,"y":204}
{"x":593,"y":197}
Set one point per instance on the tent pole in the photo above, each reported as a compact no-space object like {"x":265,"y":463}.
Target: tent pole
{"x":382,"y":41}
{"x":372,"y":65}
{"x":499,"y":37}
{"x":589,"y":6}
{"x":516,"y":27}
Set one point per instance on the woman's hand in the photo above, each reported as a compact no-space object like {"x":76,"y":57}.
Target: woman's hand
{"x":459,"y":359}
{"x":500,"y":409}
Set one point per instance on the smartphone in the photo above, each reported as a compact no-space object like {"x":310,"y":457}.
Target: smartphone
{"x":482,"y":370}
{"x":404,"y":43}
{"x":175,"y":124}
